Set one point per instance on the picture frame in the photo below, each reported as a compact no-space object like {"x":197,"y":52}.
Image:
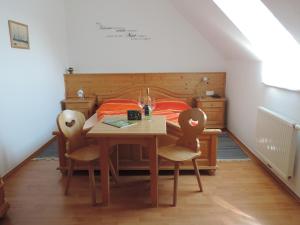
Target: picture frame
{"x":19,"y":35}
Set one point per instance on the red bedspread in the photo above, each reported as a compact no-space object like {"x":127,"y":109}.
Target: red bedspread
{"x":167,"y":107}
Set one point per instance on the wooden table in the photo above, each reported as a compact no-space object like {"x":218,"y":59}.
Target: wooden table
{"x":208,"y":140}
{"x":145,"y":133}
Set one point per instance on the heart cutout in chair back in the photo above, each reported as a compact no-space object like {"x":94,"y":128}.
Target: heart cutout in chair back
{"x":70,"y":124}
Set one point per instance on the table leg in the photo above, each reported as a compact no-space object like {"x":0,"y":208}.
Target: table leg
{"x":153,"y":171}
{"x":104,"y":165}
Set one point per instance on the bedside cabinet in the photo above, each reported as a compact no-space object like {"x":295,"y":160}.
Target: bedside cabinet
{"x":3,"y":204}
{"x":215,"y":111}
{"x":85,"y":105}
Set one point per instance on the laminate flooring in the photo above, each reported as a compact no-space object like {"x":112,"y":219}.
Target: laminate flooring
{"x":240,"y":193}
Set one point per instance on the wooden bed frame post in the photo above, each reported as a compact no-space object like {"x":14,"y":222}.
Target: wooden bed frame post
{"x":213,"y":154}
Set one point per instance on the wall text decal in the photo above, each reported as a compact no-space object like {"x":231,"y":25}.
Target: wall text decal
{"x":122,"y":32}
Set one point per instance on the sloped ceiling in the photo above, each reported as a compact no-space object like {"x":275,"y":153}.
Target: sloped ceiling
{"x":288,"y":13}
{"x":212,"y":23}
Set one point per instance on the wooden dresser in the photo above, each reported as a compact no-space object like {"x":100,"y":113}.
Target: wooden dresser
{"x":85,"y":105}
{"x":3,"y":204}
{"x":214,"y":109}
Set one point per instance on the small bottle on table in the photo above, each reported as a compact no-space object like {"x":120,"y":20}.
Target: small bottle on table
{"x":147,"y":107}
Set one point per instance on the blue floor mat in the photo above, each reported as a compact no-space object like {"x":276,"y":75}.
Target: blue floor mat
{"x":227,"y":150}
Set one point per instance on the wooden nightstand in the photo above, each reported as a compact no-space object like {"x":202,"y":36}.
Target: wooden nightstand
{"x":85,"y":105}
{"x":3,"y":204}
{"x":215,"y":111}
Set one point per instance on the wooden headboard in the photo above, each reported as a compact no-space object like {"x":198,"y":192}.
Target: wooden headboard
{"x":130,"y":85}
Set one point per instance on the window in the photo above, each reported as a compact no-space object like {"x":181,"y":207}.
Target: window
{"x":270,"y":41}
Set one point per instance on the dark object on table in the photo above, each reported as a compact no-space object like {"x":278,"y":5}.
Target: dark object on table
{"x":147,"y":112}
{"x":134,"y":115}
{"x":216,"y":96}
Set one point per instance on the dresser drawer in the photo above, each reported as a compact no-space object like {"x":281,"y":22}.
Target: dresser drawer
{"x":86,"y":106}
{"x":218,"y":104}
{"x":73,"y":105}
{"x":84,"y":111}
{"x":215,"y":111}
{"x":215,"y":115}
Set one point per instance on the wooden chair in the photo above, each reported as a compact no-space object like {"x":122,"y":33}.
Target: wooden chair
{"x":70,"y":123}
{"x":192,"y":123}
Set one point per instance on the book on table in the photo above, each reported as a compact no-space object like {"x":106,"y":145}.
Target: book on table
{"x":120,"y":123}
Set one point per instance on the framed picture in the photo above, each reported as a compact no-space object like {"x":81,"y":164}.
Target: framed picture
{"x":19,"y":37}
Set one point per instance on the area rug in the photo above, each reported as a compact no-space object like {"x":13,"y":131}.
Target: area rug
{"x":227,"y":150}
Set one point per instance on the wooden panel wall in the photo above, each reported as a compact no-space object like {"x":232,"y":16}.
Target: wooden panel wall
{"x":185,"y":84}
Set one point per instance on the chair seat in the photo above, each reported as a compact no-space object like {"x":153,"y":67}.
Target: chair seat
{"x":85,"y":154}
{"x":177,"y":153}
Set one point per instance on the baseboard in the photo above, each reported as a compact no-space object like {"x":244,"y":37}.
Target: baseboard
{"x":33,"y":155}
{"x":252,"y":156}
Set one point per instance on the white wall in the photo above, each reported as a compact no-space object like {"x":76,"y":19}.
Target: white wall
{"x":31,"y":81}
{"x":245,"y":93}
{"x":175,"y":45}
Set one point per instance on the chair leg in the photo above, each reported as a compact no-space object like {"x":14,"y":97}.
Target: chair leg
{"x":70,"y":173}
{"x":113,"y":172}
{"x":176,"y":175}
{"x":158,"y":163}
{"x":197,"y":175}
{"x":92,"y":183}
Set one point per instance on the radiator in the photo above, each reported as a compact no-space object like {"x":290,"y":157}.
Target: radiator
{"x":276,"y":142}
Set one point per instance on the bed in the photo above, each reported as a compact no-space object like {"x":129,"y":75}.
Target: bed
{"x":134,"y":157}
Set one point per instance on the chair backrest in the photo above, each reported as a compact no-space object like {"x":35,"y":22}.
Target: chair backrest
{"x":192,"y":123}
{"x":70,"y":123}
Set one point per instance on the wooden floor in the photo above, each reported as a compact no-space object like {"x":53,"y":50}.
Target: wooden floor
{"x":240,"y":193}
